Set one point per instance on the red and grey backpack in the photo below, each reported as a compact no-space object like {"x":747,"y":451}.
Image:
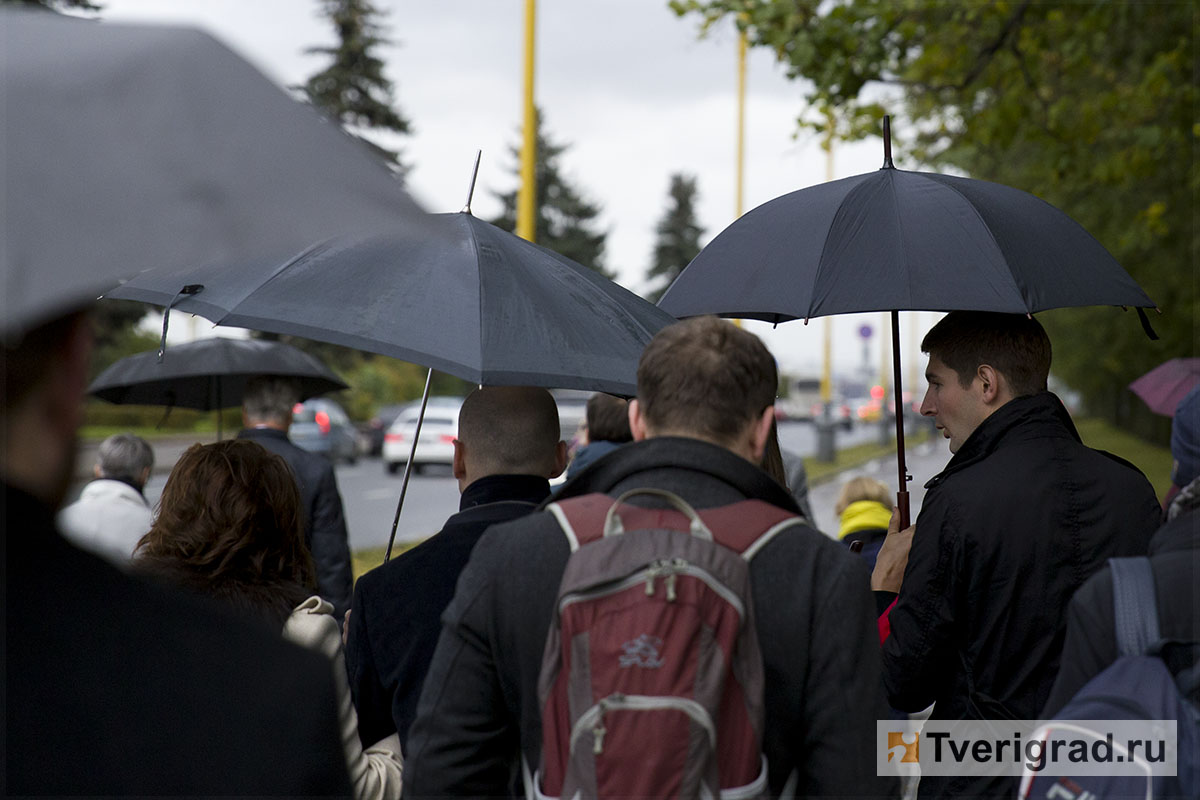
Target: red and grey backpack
{"x":652,"y":678}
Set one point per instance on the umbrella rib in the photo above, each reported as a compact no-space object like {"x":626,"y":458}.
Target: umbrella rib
{"x":308,"y":252}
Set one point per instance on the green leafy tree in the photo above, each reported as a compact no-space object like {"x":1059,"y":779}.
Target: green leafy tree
{"x":565,"y":219}
{"x":353,"y":89}
{"x":678,"y":234}
{"x":1089,"y":105}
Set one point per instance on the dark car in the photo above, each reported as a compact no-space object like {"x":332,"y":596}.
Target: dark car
{"x":321,"y":426}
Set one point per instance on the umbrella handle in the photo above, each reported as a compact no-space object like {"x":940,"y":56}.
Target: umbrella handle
{"x":408,"y":467}
{"x":901,"y":466}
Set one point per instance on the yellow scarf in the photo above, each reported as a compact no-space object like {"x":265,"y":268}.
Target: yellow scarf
{"x":864,"y":515}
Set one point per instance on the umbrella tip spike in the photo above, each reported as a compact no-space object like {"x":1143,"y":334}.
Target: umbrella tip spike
{"x":474,"y":175}
{"x":887,"y":142}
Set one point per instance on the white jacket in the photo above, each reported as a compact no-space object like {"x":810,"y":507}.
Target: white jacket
{"x":376,"y":772}
{"x":108,"y":519}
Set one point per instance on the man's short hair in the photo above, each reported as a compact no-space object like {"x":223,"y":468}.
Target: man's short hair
{"x":608,"y":419}
{"x":270,"y":398}
{"x":705,"y":377}
{"x":124,"y":457}
{"x":510,"y":430}
{"x":27,"y":359}
{"x":1015,"y":344}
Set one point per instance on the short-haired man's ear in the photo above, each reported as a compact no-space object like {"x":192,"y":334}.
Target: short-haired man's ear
{"x":989,"y":378}
{"x":637,"y":423}
{"x":760,"y":431}
{"x":560,"y":459}
{"x":459,"y":464}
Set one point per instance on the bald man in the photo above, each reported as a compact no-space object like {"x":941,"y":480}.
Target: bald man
{"x":508,"y":448}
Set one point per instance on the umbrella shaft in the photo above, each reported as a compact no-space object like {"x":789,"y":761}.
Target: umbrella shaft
{"x":409,"y":466}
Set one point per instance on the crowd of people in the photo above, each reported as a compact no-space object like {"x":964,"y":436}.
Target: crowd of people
{"x":189,"y":650}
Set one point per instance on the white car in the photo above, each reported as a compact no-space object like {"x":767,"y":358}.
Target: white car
{"x":438,"y":432}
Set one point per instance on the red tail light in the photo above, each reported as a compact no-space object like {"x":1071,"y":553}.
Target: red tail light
{"x":447,"y":438}
{"x":322,"y":420}
{"x":393,"y":437}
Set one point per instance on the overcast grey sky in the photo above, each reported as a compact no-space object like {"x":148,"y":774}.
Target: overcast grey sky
{"x":625,"y":83}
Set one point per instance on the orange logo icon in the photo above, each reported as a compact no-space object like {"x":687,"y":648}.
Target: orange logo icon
{"x":910,"y":746}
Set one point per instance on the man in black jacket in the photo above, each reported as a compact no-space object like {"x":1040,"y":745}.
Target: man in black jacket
{"x":116,"y":685}
{"x":1020,"y":517}
{"x":507,"y":449}
{"x":266,"y":416}
{"x":705,"y":404}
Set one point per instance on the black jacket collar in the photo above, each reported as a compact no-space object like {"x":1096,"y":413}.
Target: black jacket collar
{"x":505,"y":488}
{"x":682,"y":454}
{"x":1035,"y":416}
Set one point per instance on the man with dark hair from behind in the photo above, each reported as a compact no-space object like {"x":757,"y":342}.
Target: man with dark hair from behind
{"x":507,"y":449}
{"x":112,"y":514}
{"x":116,"y":685}
{"x":706,"y":393}
{"x":607,"y":423}
{"x":266,"y":416}
{"x":1019,"y":518}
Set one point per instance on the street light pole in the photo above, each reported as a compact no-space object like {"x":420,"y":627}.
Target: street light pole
{"x":527,"y":193}
{"x":826,"y":446}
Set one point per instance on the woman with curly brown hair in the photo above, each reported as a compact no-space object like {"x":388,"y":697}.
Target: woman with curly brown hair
{"x":229,"y":526}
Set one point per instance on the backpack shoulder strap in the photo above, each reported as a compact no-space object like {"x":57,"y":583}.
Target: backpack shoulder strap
{"x":747,"y":526}
{"x":1135,"y":613}
{"x":744,"y":527}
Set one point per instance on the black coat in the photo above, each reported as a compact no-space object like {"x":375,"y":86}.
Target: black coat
{"x":479,"y":713}
{"x":324,"y":518}
{"x":398,"y":606}
{"x":117,"y":685}
{"x":1022,"y":515}
{"x":1091,"y":643}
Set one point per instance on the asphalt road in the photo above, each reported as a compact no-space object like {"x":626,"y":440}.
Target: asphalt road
{"x":369,"y":495}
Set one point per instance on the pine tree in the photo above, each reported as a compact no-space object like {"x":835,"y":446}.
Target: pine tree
{"x":353,"y":89}
{"x":678,"y":235}
{"x":564,"y":218}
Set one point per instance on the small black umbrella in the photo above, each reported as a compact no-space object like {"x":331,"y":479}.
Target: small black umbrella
{"x":128,"y":147}
{"x":896,"y":240}
{"x":209,"y":374}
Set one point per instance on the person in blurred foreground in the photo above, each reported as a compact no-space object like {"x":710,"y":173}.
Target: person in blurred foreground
{"x":507,"y":449}
{"x":116,"y":685}
{"x":112,"y":513}
{"x":266,"y":416}
{"x":1020,"y":517}
{"x":700,"y":422}
{"x":229,"y":526}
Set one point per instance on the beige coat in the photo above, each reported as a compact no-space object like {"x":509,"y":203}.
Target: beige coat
{"x":376,"y":772}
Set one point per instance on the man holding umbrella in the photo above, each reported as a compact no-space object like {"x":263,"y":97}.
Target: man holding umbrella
{"x":1020,"y":517}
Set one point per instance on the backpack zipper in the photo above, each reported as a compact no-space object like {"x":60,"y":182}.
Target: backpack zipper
{"x":667,"y":568}
{"x":593,"y":718}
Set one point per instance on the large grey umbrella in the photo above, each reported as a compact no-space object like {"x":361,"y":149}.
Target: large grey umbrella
{"x":129,"y":147}
{"x":896,"y":240}
{"x":209,"y":374}
{"x":465,"y":298}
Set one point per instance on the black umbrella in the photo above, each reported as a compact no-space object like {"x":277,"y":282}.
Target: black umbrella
{"x":896,"y":240}
{"x":209,"y":374}
{"x":464,"y":297}
{"x":128,"y":147}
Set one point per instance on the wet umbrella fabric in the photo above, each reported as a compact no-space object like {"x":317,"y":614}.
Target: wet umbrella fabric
{"x":129,"y":147}
{"x":1163,"y":387}
{"x":466,"y":298}
{"x":897,"y":240}
{"x":209,"y":374}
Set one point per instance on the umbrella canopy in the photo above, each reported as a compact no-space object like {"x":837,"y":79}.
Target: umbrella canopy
{"x":129,"y":147}
{"x":209,"y":374}
{"x":465,"y":298}
{"x":1163,"y":387}
{"x":896,"y":240}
